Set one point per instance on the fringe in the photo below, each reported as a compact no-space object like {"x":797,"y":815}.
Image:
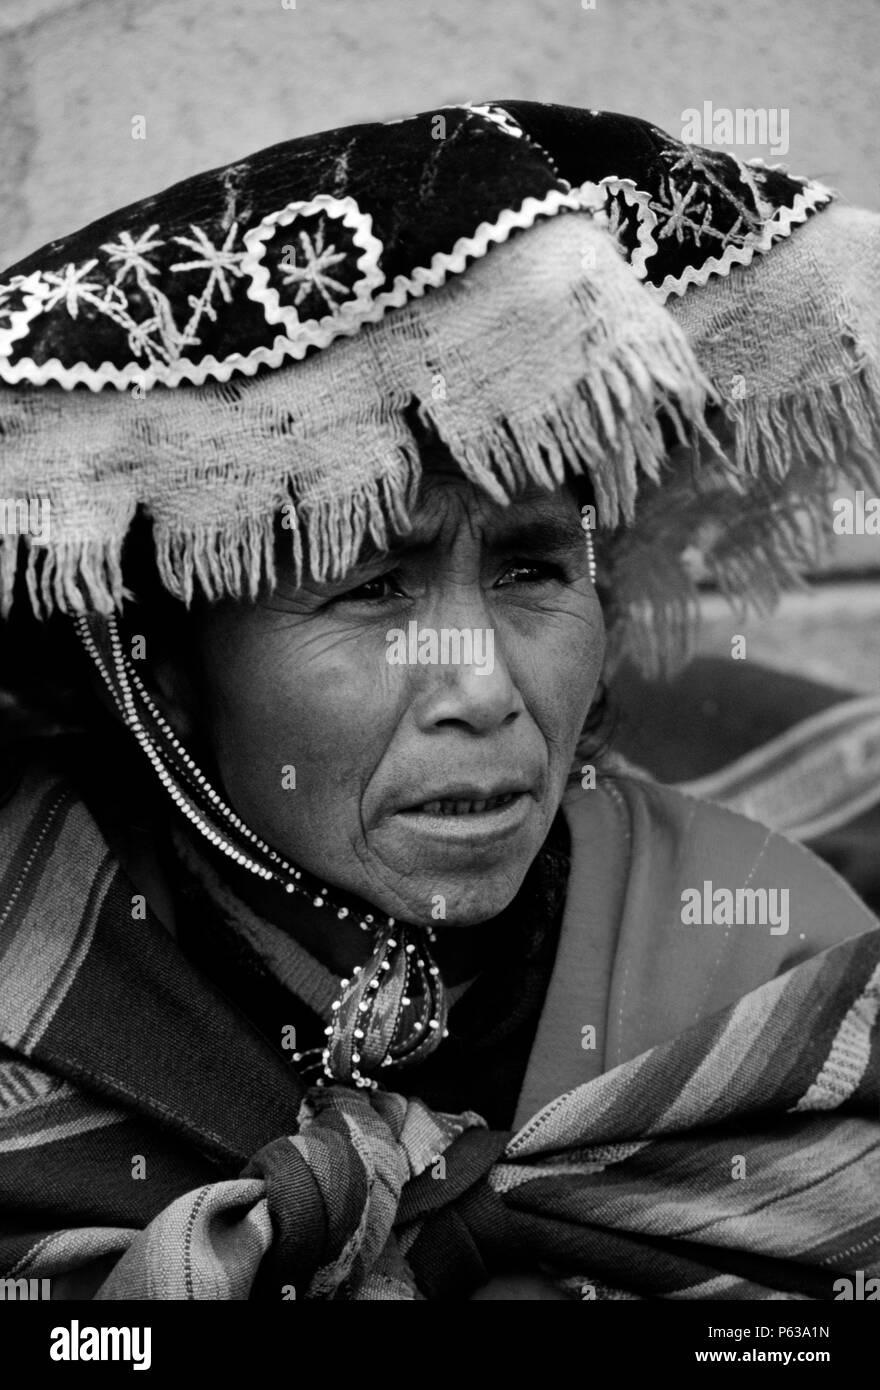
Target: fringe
{"x":239,"y":561}
{"x":836,"y":425}
{"x":756,"y":537}
{"x":607,"y":425}
{"x":71,"y":576}
{"x":8,"y":570}
{"x":228,"y":563}
{"x":753,"y":505}
{"x":331,"y":530}
{"x":756,"y":533}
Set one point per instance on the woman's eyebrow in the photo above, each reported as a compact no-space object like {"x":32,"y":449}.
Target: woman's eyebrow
{"x":538,"y":535}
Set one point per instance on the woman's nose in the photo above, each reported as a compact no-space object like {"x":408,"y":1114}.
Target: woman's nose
{"x":465,"y":679}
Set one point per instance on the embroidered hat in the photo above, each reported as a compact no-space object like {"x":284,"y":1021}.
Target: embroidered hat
{"x":555,"y":291}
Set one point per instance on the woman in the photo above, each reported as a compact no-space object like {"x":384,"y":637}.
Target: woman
{"x":411,"y":439}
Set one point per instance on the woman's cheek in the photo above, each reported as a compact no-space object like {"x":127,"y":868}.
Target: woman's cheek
{"x":294,"y":740}
{"x":559,"y":669}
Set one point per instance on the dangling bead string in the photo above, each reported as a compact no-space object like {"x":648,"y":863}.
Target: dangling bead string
{"x":591,"y":552}
{"x":393,"y":1010}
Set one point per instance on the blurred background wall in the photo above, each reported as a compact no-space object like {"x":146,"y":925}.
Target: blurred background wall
{"x":216,"y":79}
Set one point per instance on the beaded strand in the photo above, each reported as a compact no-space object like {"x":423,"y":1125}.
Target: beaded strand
{"x":354,"y":1011}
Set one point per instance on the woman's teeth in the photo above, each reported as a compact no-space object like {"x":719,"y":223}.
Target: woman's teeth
{"x":465,"y":808}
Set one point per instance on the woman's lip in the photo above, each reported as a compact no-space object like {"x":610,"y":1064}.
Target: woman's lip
{"x":462,"y":805}
{"x":463,"y":792}
{"x":471,"y":827}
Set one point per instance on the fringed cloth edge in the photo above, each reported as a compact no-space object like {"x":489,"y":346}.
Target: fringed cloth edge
{"x":545,"y":360}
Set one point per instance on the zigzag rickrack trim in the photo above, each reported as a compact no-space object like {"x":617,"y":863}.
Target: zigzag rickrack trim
{"x":315,"y":332}
{"x":405,"y":287}
{"x":781,"y":224}
{"x":595,"y":198}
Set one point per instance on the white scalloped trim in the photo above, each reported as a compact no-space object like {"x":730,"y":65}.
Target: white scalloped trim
{"x":321,"y":332}
{"x":814,"y":196}
{"x":443,"y":264}
{"x":108,"y":374}
{"x":35,"y":292}
{"x":633,"y":196}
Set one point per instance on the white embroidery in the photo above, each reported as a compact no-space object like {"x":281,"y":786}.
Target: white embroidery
{"x":219,"y":260}
{"x":158,"y":345}
{"x":691,"y":160}
{"x":689,"y":210}
{"x":367,"y":307}
{"x":156,"y":338}
{"x":31,"y":292}
{"x":312,"y":274}
{"x":133,"y":254}
{"x":344,"y":314}
{"x":71,"y":287}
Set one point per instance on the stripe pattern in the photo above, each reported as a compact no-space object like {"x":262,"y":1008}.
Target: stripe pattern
{"x":739,"y":1160}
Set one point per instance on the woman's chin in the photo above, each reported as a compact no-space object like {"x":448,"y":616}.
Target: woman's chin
{"x":452,"y":904}
{"x":455,"y":880}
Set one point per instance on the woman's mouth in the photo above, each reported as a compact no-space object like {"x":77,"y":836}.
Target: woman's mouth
{"x":464,"y":808}
{"x":470,"y":823}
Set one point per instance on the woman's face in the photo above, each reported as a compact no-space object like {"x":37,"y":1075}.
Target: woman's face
{"x":367,"y":766}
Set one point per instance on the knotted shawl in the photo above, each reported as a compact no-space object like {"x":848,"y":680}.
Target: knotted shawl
{"x":740,"y":1159}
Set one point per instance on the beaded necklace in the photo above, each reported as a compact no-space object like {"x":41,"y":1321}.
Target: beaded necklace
{"x":392,"y":1011}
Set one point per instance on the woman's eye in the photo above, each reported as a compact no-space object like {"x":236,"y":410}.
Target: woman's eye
{"x":372,"y":590}
{"x":531,"y":572}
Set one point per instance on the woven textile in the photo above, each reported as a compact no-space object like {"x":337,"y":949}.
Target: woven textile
{"x":625,"y":1186}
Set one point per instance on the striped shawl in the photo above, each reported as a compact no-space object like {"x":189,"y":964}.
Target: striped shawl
{"x":143,"y":1120}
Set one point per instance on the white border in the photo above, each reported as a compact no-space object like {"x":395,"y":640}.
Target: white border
{"x":633,"y":196}
{"x":363,"y":310}
{"x":35,"y":291}
{"x":812,"y":197}
{"x":405,"y":287}
{"x":325,"y":329}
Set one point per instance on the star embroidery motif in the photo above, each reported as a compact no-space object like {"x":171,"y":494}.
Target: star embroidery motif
{"x":72,"y":288}
{"x":219,"y":260}
{"x":678,"y":217}
{"x":132,"y":255}
{"x":692,"y":163}
{"x":313,"y":274}
{"x":673,"y":218}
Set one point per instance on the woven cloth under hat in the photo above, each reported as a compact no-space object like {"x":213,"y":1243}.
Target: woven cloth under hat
{"x":543,"y":283}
